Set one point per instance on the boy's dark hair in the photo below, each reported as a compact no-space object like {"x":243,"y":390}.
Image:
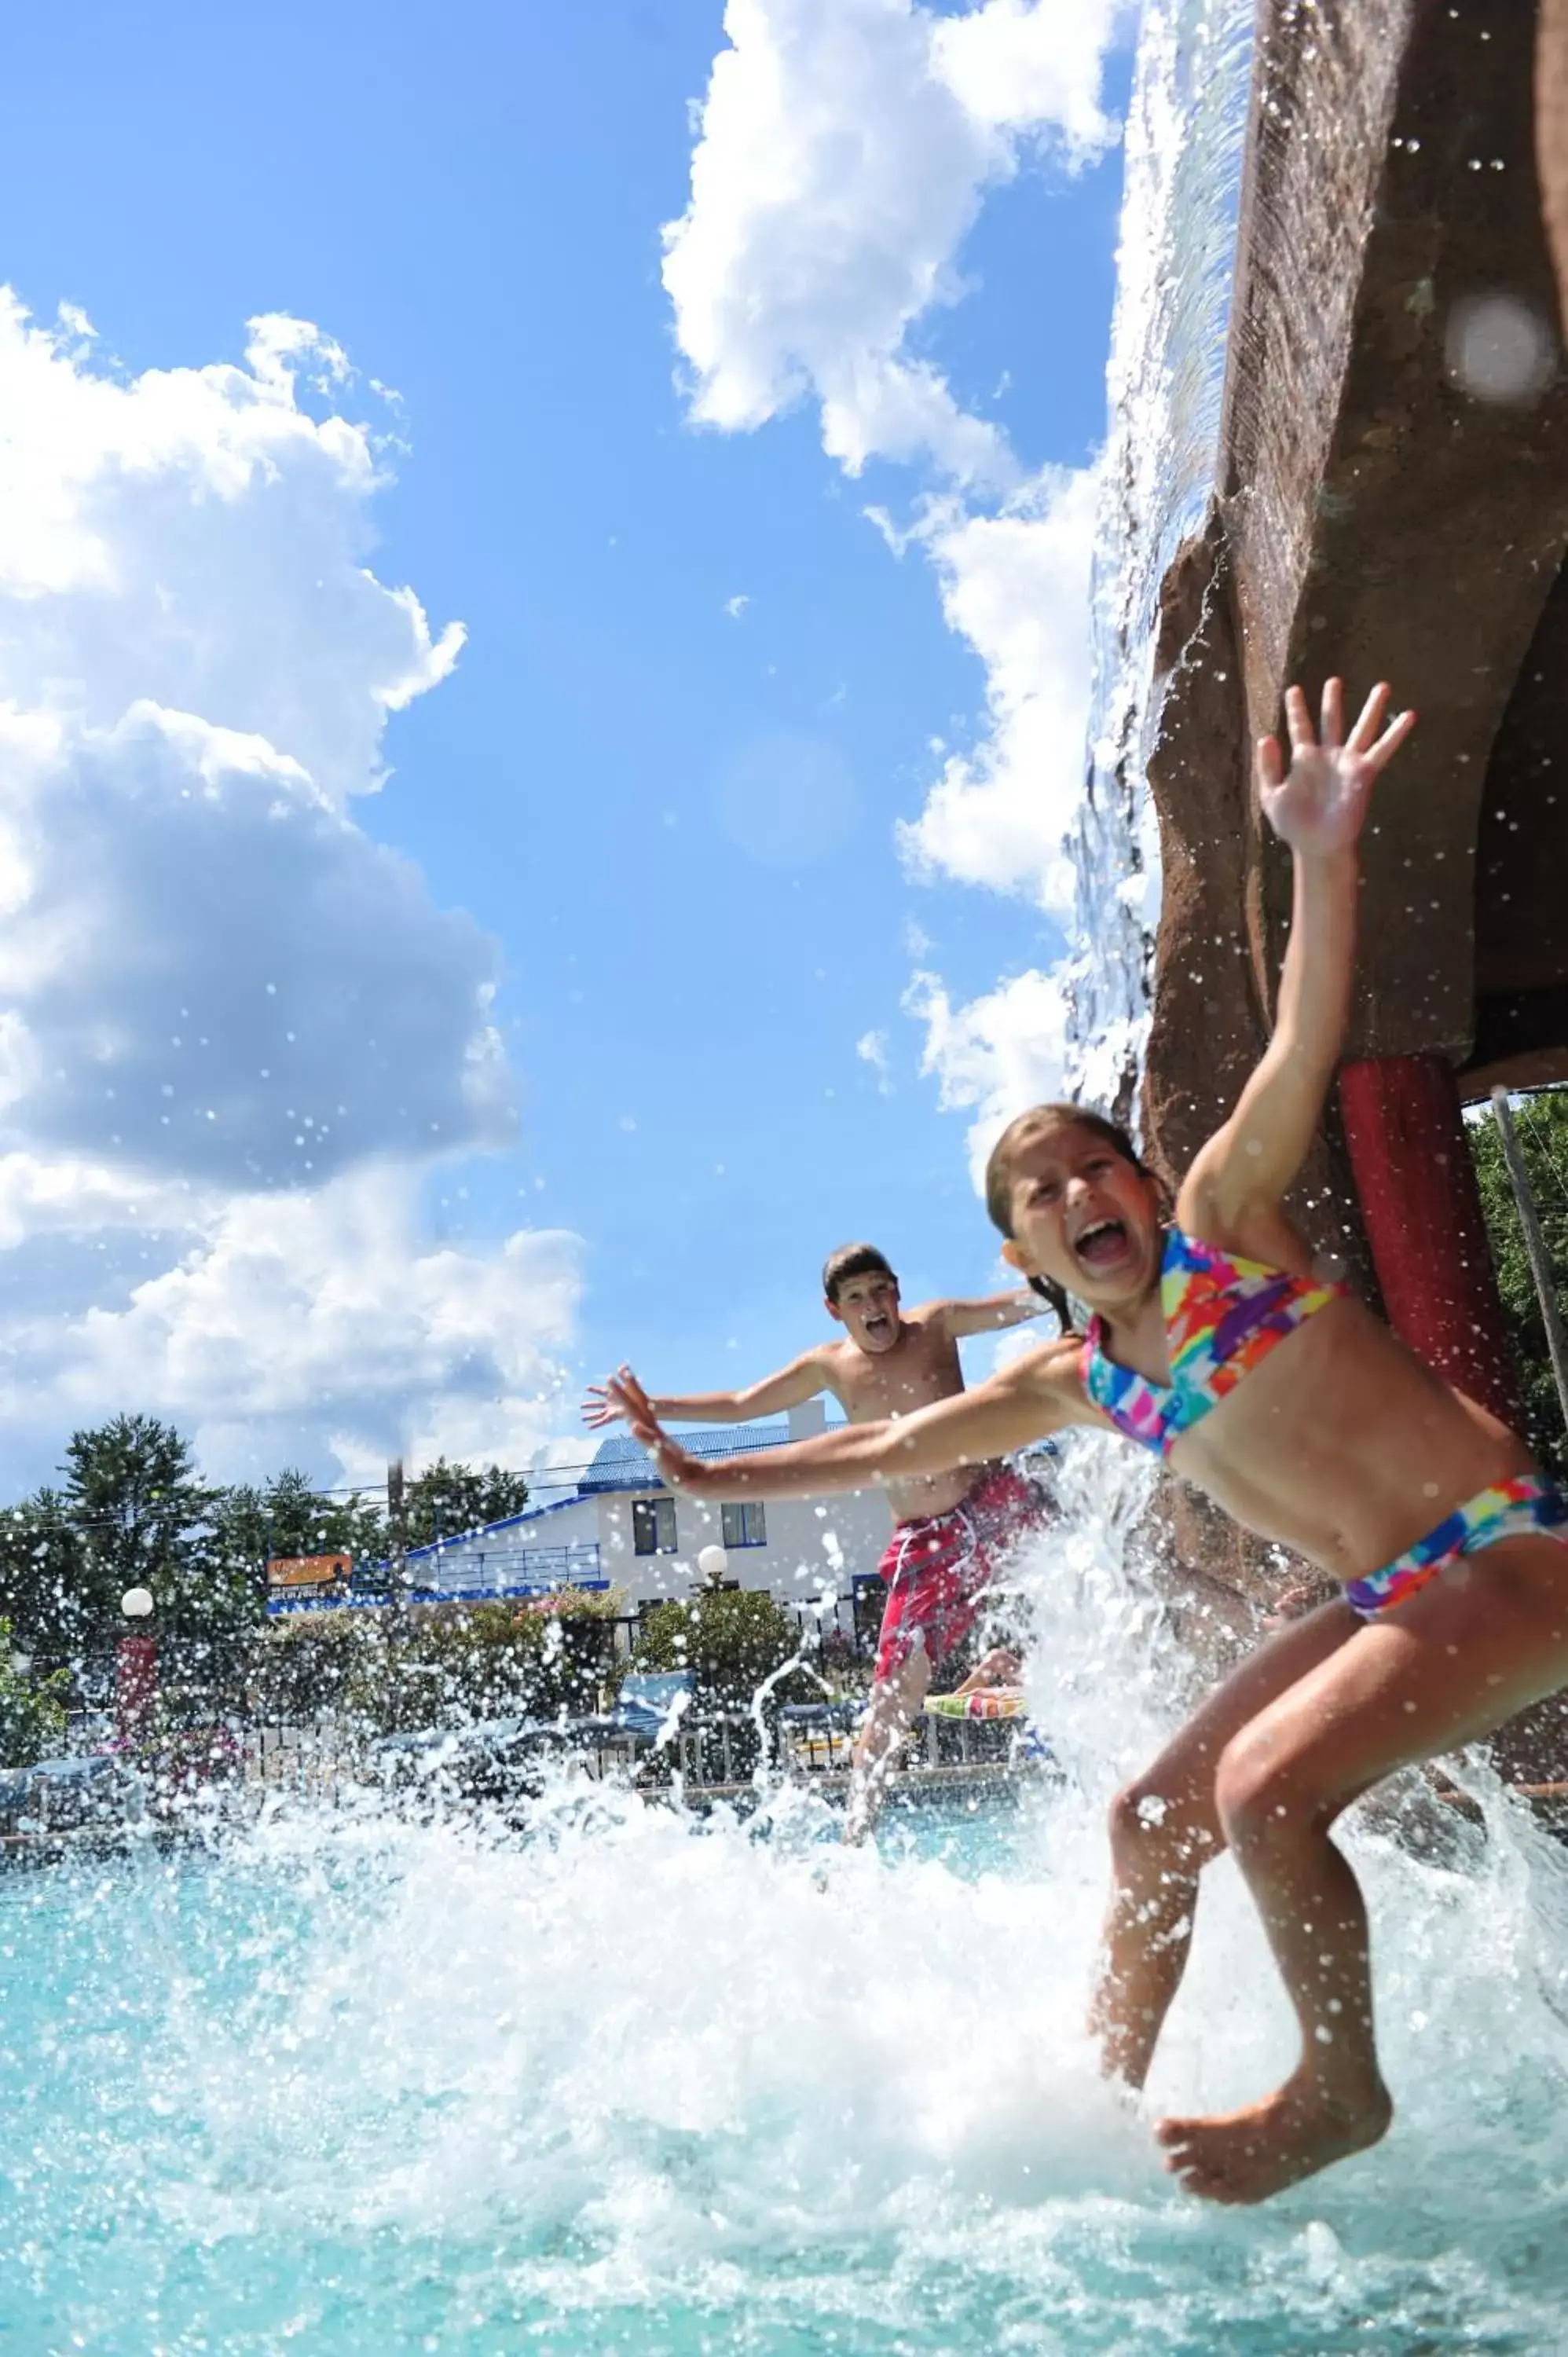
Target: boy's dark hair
{"x":999,"y":1174}
{"x":853,"y":1260}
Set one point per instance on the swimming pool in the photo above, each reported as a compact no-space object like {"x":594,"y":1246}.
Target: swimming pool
{"x":640,"y":2085}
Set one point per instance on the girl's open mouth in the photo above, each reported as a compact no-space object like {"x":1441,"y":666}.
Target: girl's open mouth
{"x":1103,"y":1245}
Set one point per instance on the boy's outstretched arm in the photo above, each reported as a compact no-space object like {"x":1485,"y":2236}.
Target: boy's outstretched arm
{"x":992,"y":1312}
{"x":1021,"y":1403}
{"x":801,"y":1380}
{"x":1319,"y":808}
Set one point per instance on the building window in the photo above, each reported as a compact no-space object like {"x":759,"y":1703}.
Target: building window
{"x":744,"y":1525}
{"x":654,"y":1525}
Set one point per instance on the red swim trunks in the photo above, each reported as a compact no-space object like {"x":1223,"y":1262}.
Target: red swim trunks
{"x":939,"y":1569}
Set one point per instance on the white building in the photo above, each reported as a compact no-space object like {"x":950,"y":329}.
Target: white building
{"x":622,"y":1528}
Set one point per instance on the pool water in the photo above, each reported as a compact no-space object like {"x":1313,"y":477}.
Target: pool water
{"x":637,"y":2081}
{"x":640,"y":2083}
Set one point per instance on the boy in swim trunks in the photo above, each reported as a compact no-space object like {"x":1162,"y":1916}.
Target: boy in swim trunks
{"x":949,"y":1529}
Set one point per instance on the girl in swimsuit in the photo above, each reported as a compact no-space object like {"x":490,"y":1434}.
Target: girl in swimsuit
{"x":1213,"y":1341}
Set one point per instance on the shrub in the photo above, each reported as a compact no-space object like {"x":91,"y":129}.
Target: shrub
{"x":731,"y":1640}
{"x":439,"y":1664}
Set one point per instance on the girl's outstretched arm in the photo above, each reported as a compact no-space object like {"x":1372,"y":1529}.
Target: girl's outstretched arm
{"x":1031,"y":1396}
{"x":1319,"y":808}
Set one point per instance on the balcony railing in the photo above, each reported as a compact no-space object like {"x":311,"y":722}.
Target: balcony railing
{"x":463,"y":1573}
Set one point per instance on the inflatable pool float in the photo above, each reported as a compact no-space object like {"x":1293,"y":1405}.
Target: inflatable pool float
{"x":985,"y":1702}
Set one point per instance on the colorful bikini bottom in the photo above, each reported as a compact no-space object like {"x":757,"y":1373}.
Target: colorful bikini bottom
{"x":1529,"y":1502}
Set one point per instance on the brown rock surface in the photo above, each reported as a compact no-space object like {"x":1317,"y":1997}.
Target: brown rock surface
{"x":1392,"y":501}
{"x":1377,"y":517}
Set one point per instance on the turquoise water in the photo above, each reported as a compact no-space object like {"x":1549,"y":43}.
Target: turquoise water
{"x":636,"y":2085}
{"x":634,"y":2082}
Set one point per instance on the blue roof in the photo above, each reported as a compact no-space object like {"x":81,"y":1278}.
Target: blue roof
{"x":623,"y":1463}
{"x":445,"y":1544}
{"x":620,"y":1463}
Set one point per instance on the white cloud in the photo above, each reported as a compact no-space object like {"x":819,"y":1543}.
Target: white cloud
{"x":845,"y":149}
{"x":204,"y":968}
{"x":40,"y":1196}
{"x":304,"y":1321}
{"x":194,"y":537}
{"x":872,"y":1049}
{"x":736,"y":606}
{"x":234,"y":1030}
{"x":1015,"y":584}
{"x":995,"y":1057}
{"x":1019,"y":64}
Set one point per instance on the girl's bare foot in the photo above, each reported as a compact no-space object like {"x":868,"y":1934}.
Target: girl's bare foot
{"x":1247,"y":2156}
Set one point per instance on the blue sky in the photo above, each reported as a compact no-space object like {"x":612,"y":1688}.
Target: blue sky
{"x":471,"y":207}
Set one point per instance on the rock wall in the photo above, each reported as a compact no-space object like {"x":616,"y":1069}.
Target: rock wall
{"x":1386,"y":509}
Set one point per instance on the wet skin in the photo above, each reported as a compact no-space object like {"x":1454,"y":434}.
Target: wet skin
{"x":1347,"y":1448}
{"x":890,"y":1364}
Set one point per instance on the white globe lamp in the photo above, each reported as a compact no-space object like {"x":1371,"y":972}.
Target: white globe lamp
{"x":713,"y":1562}
{"x":136,"y":1604}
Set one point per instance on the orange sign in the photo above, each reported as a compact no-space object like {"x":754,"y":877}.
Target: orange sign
{"x":309,"y":1570}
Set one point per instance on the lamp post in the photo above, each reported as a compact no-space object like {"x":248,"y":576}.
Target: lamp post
{"x":135,"y":1668}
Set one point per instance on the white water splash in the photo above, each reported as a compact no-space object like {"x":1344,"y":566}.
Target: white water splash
{"x":633,"y":2080}
{"x":1185,"y":142}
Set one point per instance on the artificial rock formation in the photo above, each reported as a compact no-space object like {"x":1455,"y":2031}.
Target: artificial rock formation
{"x":1393,"y":503}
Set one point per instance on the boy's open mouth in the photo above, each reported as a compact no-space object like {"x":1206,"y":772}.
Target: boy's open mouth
{"x":878,"y":1321}
{"x":1103,"y":1244}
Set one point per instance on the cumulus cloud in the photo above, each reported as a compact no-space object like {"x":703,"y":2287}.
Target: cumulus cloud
{"x":872,"y":1049}
{"x":996,"y":1056}
{"x":206,"y":970}
{"x":845,"y":149}
{"x":318,"y":1318}
{"x":234,"y":1030}
{"x":194,"y":537}
{"x":1015,"y":586}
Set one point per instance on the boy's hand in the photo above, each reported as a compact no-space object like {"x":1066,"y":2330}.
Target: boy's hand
{"x":626,"y":1397}
{"x":1319,"y":808}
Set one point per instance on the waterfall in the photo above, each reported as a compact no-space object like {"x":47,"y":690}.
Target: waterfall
{"x":1186,"y":142}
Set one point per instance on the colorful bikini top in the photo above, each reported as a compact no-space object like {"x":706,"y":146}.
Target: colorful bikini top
{"x":1223,"y":1316}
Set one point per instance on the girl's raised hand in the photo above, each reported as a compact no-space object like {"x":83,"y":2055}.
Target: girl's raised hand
{"x":1319,"y":804}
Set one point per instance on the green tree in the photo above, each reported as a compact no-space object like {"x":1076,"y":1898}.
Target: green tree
{"x":131,"y":1488}
{"x":445,"y":1501}
{"x":32,"y":1712}
{"x":144,"y":1520}
{"x":289,"y":1516}
{"x":1541,"y":1123}
{"x":51,"y":1590}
